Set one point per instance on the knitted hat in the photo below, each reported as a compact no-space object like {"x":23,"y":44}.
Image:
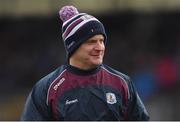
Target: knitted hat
{"x":78,"y":27}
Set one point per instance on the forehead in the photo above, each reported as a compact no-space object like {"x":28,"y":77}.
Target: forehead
{"x":97,"y":37}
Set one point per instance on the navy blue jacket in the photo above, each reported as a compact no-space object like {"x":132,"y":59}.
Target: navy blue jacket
{"x":69,"y":93}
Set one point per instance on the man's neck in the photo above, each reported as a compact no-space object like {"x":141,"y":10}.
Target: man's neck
{"x":81,"y":65}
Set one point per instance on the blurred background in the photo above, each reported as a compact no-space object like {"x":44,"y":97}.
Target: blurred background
{"x":143,"y":42}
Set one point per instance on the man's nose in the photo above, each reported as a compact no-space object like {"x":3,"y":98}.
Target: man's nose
{"x":99,"y":45}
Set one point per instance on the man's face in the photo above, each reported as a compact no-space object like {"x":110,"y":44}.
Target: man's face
{"x":90,"y":53}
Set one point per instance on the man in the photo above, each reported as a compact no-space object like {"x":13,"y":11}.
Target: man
{"x":84,"y":88}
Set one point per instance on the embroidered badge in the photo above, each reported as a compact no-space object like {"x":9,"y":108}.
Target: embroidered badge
{"x":111,"y":98}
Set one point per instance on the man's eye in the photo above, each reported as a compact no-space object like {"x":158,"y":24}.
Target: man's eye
{"x":102,"y":41}
{"x":91,"y":41}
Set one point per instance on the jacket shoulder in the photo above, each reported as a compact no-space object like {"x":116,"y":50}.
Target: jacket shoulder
{"x":116,"y":72}
{"x":46,"y":80}
{"x":36,"y":107}
{"x":40,"y":89}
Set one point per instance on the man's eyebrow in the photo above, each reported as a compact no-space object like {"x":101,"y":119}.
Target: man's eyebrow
{"x":91,"y":40}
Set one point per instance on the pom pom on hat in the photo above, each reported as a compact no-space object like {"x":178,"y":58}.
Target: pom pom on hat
{"x":78,"y":27}
{"x":67,"y":12}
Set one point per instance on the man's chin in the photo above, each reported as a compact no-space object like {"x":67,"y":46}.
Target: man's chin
{"x":97,"y":62}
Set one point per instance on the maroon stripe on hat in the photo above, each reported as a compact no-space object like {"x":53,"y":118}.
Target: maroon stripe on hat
{"x":71,"y":20}
{"x":70,"y":27}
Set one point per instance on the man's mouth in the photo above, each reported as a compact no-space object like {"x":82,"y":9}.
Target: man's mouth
{"x":96,"y":56}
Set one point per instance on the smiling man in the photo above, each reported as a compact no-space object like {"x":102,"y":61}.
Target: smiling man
{"x":90,"y":53}
{"x":84,"y":88}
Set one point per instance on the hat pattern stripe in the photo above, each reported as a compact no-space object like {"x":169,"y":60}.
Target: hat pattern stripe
{"x":79,"y":25}
{"x":65,"y":24}
{"x":70,"y":27}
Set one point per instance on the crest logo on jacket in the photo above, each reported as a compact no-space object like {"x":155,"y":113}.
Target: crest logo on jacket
{"x":111,"y":98}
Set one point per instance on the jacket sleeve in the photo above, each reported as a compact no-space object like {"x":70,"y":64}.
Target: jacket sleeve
{"x":136,"y":109}
{"x":35,"y":107}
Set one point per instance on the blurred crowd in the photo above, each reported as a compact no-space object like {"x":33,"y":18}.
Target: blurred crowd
{"x":144,"y":46}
